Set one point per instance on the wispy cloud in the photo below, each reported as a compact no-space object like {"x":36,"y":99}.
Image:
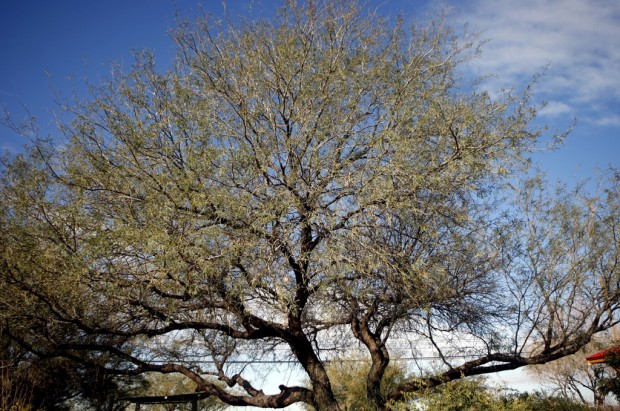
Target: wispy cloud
{"x":555,"y":108}
{"x":608,"y":120}
{"x":6,"y":93}
{"x":575,"y":40}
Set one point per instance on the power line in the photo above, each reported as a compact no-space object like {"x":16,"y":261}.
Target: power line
{"x":340,"y":360}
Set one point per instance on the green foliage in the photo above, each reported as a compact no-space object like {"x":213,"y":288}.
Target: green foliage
{"x":611,"y":385}
{"x":475,"y":395}
{"x":348,"y":380}
{"x":465,"y":395}
{"x":539,"y":401}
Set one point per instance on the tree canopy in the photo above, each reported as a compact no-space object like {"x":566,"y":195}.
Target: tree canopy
{"x":312,"y":182}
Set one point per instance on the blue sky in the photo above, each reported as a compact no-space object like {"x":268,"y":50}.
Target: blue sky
{"x":576,"y":43}
{"x":50,"y":47}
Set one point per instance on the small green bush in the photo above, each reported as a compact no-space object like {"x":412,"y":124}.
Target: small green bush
{"x":476,"y":395}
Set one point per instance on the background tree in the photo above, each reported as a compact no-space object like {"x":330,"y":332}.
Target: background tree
{"x":611,"y":383}
{"x":573,"y":378}
{"x":300,"y":183}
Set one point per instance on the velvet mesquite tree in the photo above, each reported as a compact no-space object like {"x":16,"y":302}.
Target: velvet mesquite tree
{"x":293,"y":187}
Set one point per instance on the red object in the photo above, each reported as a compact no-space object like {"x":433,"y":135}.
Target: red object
{"x":601,"y":357}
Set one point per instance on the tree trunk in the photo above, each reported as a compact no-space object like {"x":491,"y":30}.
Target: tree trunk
{"x":324,"y":399}
{"x":380,"y":361}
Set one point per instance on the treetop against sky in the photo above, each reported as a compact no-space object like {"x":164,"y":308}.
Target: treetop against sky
{"x":43,"y":44}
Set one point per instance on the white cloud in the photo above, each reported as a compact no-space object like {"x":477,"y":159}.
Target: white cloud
{"x":609,"y":120}
{"x":577,"y":40}
{"x":6,"y":93}
{"x":555,"y":108}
